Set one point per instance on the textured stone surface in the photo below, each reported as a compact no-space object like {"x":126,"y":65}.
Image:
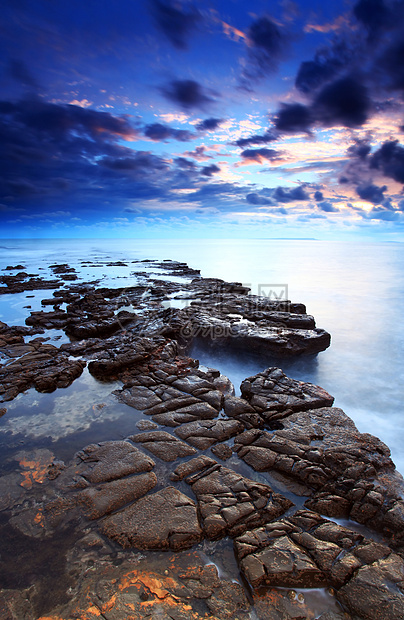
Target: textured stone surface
{"x":103,"y":499}
{"x":39,"y":365}
{"x":310,"y":551}
{"x":111,"y":460}
{"x":163,"y":445}
{"x":229,"y":503}
{"x":274,"y":395}
{"x":347,"y":473}
{"x":164,"y":520}
{"x":203,"y":435}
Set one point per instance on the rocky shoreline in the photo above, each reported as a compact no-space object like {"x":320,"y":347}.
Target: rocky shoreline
{"x":278,"y":474}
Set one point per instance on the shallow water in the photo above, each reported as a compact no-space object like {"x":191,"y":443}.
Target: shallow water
{"x":354,"y":291}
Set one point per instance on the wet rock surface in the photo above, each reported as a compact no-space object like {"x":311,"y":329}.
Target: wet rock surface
{"x":345,"y":473}
{"x":229,"y":503}
{"x":166,"y":519}
{"x":163,"y":487}
{"x":39,"y":365}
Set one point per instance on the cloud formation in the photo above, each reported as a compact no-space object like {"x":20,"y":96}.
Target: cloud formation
{"x":189,"y":94}
{"x":159,"y":132}
{"x":175,"y":21}
{"x":260,"y":156}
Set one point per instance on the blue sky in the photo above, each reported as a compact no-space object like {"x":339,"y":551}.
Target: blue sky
{"x":166,"y":118}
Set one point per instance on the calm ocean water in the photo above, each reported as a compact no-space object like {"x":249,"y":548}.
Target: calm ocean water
{"x":355,"y":291}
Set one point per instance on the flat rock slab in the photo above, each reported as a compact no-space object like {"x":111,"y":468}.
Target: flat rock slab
{"x":110,"y":460}
{"x":164,"y":520}
{"x":163,"y":445}
{"x":229,"y":503}
{"x":110,"y":496}
{"x":274,"y":395}
{"x":204,"y":434}
{"x":306,"y":550}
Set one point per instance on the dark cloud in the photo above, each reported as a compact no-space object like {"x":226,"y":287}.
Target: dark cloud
{"x":199,"y":153}
{"x":208,"y":171}
{"x":386,"y":215}
{"x":50,"y":154}
{"x":371,"y":193}
{"x":283,"y":194}
{"x":327,"y":207}
{"x":265,"y":35}
{"x":256,"y":199}
{"x":185,"y":163}
{"x":137,"y":161}
{"x":360,"y":149}
{"x":391,"y":65}
{"x":318,"y":196}
{"x":259,"y":155}
{"x":266,"y":46}
{"x":374,"y":15}
{"x":174,"y":21}
{"x":313,"y":73}
{"x":343,"y":102}
{"x":62,"y":120}
{"x":159,"y":132}
{"x":389,"y":159}
{"x":293,"y":117}
{"x":209,"y":124}
{"x":255,"y":139}
{"x":187,"y":93}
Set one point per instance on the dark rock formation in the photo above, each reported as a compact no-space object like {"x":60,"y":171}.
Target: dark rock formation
{"x":38,"y":365}
{"x":204,"y":434}
{"x":97,"y":501}
{"x":346,"y":473}
{"x":273,"y":395}
{"x":111,"y":460}
{"x":163,"y":445}
{"x":309,"y":551}
{"x":164,"y":520}
{"x":228,"y":503}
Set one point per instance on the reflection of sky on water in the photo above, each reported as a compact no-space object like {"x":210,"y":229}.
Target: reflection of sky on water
{"x":62,"y":412}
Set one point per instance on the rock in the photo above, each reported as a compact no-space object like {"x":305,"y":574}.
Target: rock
{"x":222,"y":451}
{"x":349,"y":474}
{"x":110,"y":496}
{"x":164,"y":520}
{"x":197,"y":464}
{"x":204,"y":434}
{"x":273,"y":395}
{"x":163,"y":445}
{"x":146,"y":425}
{"x":43,"y":367}
{"x":110,"y":460}
{"x":308,"y":551}
{"x":376,"y":591}
{"x":229,"y":503}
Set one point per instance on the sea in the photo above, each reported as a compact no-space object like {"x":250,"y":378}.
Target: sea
{"x":354,"y":290}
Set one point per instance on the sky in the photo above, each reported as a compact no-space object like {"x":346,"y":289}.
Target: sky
{"x":217,"y":118}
